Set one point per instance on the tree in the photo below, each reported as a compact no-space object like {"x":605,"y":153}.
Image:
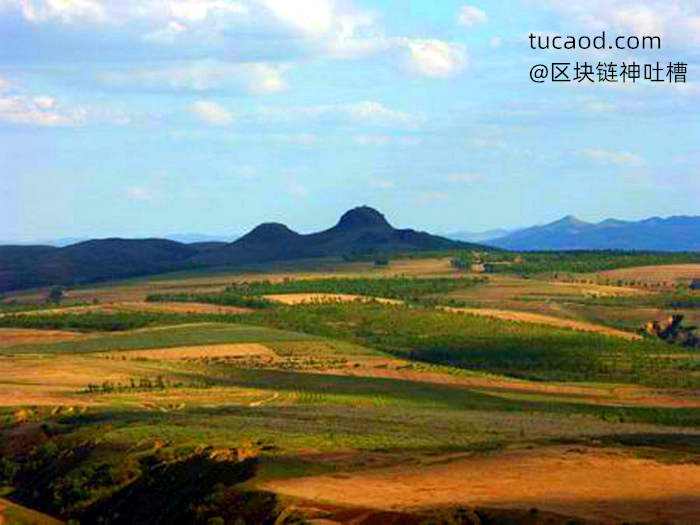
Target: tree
{"x":55,"y":295}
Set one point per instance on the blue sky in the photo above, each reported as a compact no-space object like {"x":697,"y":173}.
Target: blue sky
{"x":145,"y":118}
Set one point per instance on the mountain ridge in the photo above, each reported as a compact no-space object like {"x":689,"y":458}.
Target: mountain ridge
{"x":674,"y":233}
{"x":359,"y":230}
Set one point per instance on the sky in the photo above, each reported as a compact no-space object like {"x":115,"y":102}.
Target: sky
{"x":147,"y":118}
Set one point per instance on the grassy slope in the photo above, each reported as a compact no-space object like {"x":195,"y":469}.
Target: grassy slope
{"x":185,"y":335}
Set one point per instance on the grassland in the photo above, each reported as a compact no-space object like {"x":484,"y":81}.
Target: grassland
{"x":336,"y":402}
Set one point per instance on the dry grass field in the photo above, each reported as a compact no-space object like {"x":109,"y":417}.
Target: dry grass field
{"x":590,"y":483}
{"x":197,"y":352}
{"x":11,"y":336}
{"x":665,"y":273}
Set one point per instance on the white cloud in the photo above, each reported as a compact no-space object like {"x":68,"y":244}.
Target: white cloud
{"x":45,"y":102}
{"x":468,"y":178}
{"x":435,"y":58}
{"x":212,"y":113}
{"x":387,"y":140}
{"x":366,"y":113}
{"x":5,"y":84}
{"x":298,"y":190}
{"x":167,"y":34}
{"x":198,"y":10}
{"x":675,"y":21}
{"x":595,"y":105}
{"x":686,"y":88}
{"x":471,"y":16}
{"x":247,"y":172}
{"x":381,"y":183}
{"x":138,"y":193}
{"x":430,"y":197}
{"x":242,"y":31}
{"x":311,"y":17}
{"x":23,"y":110}
{"x":301,"y":139}
{"x":257,"y":78}
{"x":118,"y":12}
{"x":66,"y":11}
{"x":614,"y":157}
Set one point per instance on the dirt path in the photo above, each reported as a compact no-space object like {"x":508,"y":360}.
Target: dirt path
{"x":588,"y":483}
{"x":527,"y":317}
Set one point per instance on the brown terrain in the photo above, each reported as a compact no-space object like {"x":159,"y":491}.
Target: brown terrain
{"x":12,"y":336}
{"x":196,"y":352}
{"x":591,"y":483}
{"x":669,"y":272}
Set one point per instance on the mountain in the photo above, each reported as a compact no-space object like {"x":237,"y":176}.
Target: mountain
{"x":199,"y":238}
{"x":89,"y":261}
{"x":360,"y":230}
{"x":185,"y":238}
{"x":680,"y":233}
{"x":482,"y":237}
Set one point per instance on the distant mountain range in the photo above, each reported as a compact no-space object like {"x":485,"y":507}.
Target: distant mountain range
{"x":186,"y":238}
{"x":484,"y":236}
{"x":361,"y":230}
{"x":672,"y":234}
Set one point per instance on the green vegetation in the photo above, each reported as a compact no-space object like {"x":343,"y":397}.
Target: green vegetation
{"x":575,"y":261}
{"x":202,"y":333}
{"x":92,"y":321}
{"x":224,"y":299}
{"x":477,"y":343}
{"x":55,"y":295}
{"x":404,"y":288}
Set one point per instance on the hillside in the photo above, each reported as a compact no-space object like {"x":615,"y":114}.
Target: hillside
{"x":361,"y":230}
{"x":679,"y":233}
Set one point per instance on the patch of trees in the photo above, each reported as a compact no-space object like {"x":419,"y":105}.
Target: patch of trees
{"x":249,"y":294}
{"x":463,"y":341}
{"x":90,"y":321}
{"x":583,"y":261}
{"x":672,"y":331}
{"x":134,"y":385}
{"x":223,"y":299}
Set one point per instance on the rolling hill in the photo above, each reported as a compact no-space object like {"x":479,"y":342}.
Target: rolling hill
{"x":360,"y":230}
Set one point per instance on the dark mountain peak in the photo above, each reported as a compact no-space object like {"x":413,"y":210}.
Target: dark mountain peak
{"x":363,"y":217}
{"x":268,"y":232}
